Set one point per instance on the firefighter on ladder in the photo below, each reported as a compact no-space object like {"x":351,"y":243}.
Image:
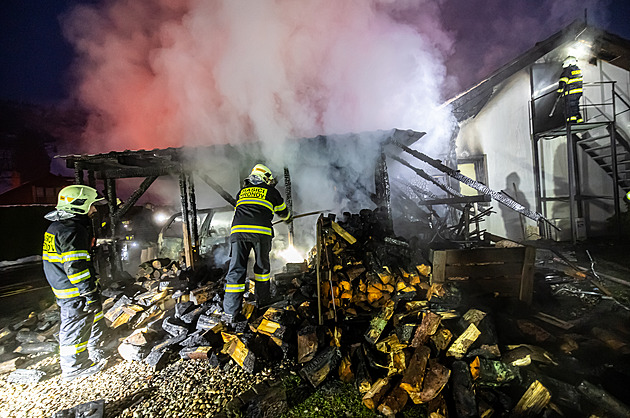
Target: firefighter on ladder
{"x":570,"y":87}
{"x":256,"y":203}
{"x":70,"y":272}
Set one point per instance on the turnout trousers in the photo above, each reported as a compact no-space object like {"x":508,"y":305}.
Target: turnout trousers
{"x":79,"y":332}
{"x":573,"y":108}
{"x":235,"y":286}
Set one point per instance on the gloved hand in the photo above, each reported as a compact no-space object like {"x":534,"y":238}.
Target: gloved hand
{"x":289,"y":219}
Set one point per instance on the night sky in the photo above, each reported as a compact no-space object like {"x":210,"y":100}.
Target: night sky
{"x":35,"y":57}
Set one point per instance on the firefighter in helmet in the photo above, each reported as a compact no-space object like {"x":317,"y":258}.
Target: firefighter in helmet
{"x":70,"y":272}
{"x":256,"y":203}
{"x":570,"y":87}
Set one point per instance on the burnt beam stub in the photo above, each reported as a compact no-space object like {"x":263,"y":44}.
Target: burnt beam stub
{"x":192,"y":197}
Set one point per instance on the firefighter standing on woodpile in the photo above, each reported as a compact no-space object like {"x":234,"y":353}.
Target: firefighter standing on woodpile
{"x":70,"y":273}
{"x":256,"y":204}
{"x":570,"y":86}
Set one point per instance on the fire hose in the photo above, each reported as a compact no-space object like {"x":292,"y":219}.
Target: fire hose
{"x":302,"y":215}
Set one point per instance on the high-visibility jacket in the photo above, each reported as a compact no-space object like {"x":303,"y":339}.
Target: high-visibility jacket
{"x":256,"y":203}
{"x":66,"y":258}
{"x":570,"y":81}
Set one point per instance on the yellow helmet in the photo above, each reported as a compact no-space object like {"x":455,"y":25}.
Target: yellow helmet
{"x":263,"y":172}
{"x":77,"y":199}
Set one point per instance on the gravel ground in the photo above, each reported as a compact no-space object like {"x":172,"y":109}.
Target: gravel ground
{"x":131,"y":389}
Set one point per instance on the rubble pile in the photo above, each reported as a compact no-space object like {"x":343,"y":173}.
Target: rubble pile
{"x":363,"y":310}
{"x":381,"y":323}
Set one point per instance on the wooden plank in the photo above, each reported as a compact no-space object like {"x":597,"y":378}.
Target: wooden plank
{"x":484,"y":255}
{"x":503,"y":287}
{"x":513,"y":270}
{"x":439,"y":266}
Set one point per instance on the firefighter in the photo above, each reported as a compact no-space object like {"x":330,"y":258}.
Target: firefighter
{"x":570,"y":87}
{"x":70,"y":273}
{"x":256,"y":203}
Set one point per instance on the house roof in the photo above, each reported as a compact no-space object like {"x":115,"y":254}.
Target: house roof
{"x":606,"y":46}
{"x":24,"y":194}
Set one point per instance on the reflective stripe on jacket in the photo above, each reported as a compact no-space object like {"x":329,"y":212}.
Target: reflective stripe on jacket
{"x":66,"y":258}
{"x":255,"y":206}
{"x":570,"y":81}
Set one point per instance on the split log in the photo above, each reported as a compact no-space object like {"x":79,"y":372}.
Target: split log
{"x":157,"y":359}
{"x":378,"y":323}
{"x":536,"y":354}
{"x":394,"y":402}
{"x":35,"y":348}
{"x":533,"y":401}
{"x":345,"y":370}
{"x":316,"y":370}
{"x":390,"y":344}
{"x":9,"y":366}
{"x":428,"y":327}
{"x":235,"y":348}
{"x":343,"y":233}
{"x":397,"y":362}
{"x":306,"y":344}
{"x":362,"y":377}
{"x":414,"y":375}
{"x":460,"y":346}
{"x":463,"y":393}
{"x":611,"y":340}
{"x":492,"y":373}
{"x":196,"y":353}
{"x":442,"y":338}
{"x":202,"y":294}
{"x":435,"y":379}
{"x":377,"y":391}
{"x":473,"y":316}
{"x":25,"y":337}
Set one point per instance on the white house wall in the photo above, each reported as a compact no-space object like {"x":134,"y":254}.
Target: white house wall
{"x":501,"y":131}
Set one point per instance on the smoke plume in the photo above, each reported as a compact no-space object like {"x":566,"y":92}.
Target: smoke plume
{"x":185,"y":72}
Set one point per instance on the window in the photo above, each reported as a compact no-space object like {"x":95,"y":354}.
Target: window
{"x":475,"y":168}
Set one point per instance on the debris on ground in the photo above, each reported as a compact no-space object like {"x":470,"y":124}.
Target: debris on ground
{"x":478,"y":330}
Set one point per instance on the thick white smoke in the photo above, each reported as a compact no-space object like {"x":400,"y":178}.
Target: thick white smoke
{"x":185,"y":72}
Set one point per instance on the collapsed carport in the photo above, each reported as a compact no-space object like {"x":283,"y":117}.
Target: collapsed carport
{"x":439,"y":186}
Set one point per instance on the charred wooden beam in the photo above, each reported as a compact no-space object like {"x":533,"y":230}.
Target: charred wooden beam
{"x":217,"y":188}
{"x":606,"y":403}
{"x":463,"y":392}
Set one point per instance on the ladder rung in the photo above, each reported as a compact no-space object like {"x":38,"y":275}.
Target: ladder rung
{"x":592,"y":138}
{"x":600,"y":148}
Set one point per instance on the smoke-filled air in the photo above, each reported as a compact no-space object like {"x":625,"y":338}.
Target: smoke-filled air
{"x":264,"y":74}
{"x":185,"y":72}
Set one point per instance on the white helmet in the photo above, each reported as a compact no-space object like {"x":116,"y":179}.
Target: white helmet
{"x":570,"y":60}
{"x":263,"y":172}
{"x":77,"y":199}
